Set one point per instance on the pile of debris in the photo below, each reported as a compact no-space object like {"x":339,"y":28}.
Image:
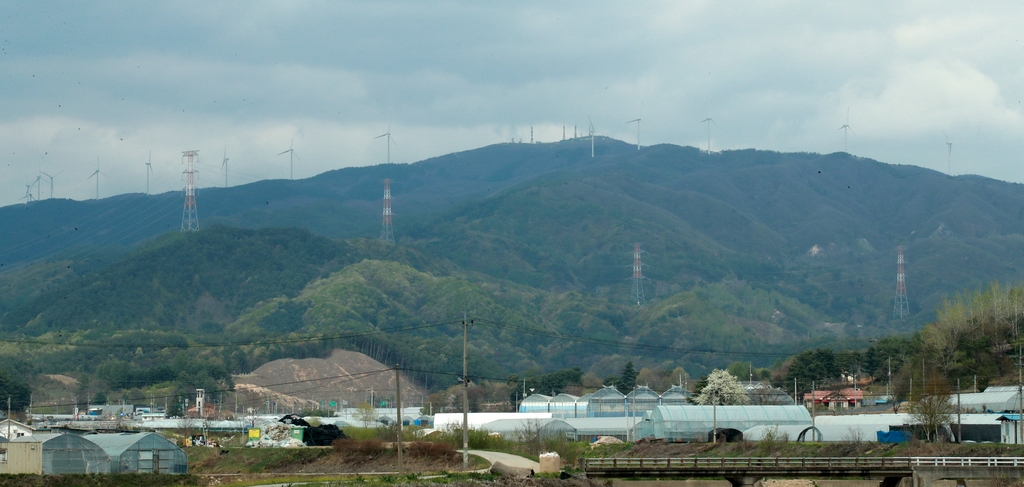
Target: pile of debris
{"x":287,"y":431}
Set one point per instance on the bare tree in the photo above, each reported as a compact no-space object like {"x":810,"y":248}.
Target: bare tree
{"x":934,"y":408}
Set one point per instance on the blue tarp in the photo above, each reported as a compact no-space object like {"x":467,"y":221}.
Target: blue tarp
{"x":892,"y":437}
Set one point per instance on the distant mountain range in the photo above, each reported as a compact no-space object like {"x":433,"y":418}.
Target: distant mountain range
{"x":745,"y":251}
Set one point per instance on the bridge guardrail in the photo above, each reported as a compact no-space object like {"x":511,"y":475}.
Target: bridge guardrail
{"x":802,"y":462}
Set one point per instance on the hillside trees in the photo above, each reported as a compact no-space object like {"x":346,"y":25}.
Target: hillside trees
{"x":976,"y":333}
{"x":18,"y":390}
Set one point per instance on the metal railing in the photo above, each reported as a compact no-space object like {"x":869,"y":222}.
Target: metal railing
{"x":802,"y":462}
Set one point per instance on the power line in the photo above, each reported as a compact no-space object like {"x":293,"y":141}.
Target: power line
{"x":306,"y":339}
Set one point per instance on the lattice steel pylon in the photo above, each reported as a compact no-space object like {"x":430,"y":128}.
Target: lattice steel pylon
{"x":900,"y":308}
{"x":189,"y":216}
{"x":638,"y":276}
{"x":386,"y":232}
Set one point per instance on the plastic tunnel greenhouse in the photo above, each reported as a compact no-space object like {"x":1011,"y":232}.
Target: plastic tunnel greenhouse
{"x":690,"y":423}
{"x":141,"y":453}
{"x":58,"y":454}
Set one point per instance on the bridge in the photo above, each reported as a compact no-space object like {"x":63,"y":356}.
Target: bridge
{"x":743,"y":472}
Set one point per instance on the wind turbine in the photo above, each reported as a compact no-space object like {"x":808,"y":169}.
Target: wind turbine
{"x":709,"y":121}
{"x":149,"y":170}
{"x":224,"y":165}
{"x":28,"y":194}
{"x":97,"y":174}
{"x":390,"y":141}
{"x":638,"y":120}
{"x":37,"y":185}
{"x":51,"y":182}
{"x":291,"y":155}
{"x":846,"y":127}
{"x":591,"y":137}
{"x":949,"y":155}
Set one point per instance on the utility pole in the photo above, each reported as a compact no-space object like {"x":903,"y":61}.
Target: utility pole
{"x":1020,"y":394}
{"x":8,"y":418}
{"x":465,"y":387}
{"x":959,"y":425}
{"x":795,"y":393}
{"x":814,"y":427}
{"x":398,"y":403}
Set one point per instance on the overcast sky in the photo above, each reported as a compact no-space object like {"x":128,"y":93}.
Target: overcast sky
{"x":112,"y":81}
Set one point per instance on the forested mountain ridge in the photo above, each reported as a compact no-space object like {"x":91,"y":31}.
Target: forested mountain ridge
{"x":747,"y":252}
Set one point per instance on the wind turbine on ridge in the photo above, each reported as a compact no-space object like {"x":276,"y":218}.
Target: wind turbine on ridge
{"x":37,"y":185}
{"x":51,"y":181}
{"x":291,"y":154}
{"x":709,"y":121}
{"x":591,"y":137}
{"x":638,"y":120}
{"x":390,"y":141}
{"x":949,"y":155}
{"x":224,"y":165}
{"x":97,"y":175}
{"x":846,"y":127}
{"x":28,"y":194}
{"x":149,"y":170}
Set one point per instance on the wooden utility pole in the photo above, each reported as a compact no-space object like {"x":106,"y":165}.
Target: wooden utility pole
{"x":465,"y":393}
{"x":398,"y":403}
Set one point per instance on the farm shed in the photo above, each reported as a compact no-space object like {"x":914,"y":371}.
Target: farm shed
{"x":141,"y":453}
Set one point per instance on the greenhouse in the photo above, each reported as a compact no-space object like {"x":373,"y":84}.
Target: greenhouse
{"x":590,"y":429}
{"x":567,"y":406}
{"x":52,"y":454}
{"x":141,"y":453}
{"x":824,"y":433}
{"x":641,"y":400}
{"x":512,"y":428}
{"x":996,"y":399}
{"x":606,"y":403}
{"x":695,"y":423}
{"x":535,"y":403}
{"x":675,"y":396}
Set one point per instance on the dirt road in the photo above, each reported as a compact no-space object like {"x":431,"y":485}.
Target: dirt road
{"x":507,"y":459}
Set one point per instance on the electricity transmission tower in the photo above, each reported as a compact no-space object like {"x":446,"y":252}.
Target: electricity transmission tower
{"x":189,"y":216}
{"x":900,"y":308}
{"x":386,"y":232}
{"x":638,"y":276}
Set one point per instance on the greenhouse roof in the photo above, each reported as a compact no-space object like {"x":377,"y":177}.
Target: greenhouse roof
{"x":996,"y":401}
{"x":513,"y":425}
{"x":563,"y":397}
{"x":607,"y":392}
{"x":676,"y":391}
{"x":643,"y":392}
{"x":115,"y":444}
{"x":533,"y":398}
{"x":764,"y":414}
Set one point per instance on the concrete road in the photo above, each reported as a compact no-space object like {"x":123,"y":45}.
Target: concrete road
{"x":507,"y":459}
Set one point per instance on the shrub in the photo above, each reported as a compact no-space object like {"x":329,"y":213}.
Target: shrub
{"x":365,"y":447}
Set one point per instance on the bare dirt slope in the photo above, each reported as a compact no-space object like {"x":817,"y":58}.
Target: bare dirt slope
{"x":344,"y":376}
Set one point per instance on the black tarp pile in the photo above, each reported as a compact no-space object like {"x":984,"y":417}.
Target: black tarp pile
{"x":322,"y":435}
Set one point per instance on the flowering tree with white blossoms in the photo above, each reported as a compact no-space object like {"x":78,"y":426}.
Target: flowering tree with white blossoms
{"x":722,"y":389}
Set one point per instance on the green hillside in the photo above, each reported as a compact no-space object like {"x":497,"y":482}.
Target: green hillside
{"x":194,"y":308}
{"x":749,"y":255}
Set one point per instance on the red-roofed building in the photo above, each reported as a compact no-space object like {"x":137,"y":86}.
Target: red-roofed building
{"x":842,"y":399}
